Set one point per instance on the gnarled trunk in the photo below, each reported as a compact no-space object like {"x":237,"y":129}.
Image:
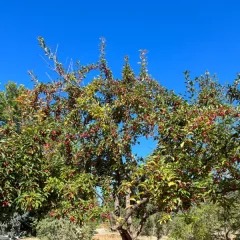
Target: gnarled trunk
{"x":129,"y":220}
{"x":128,"y":233}
{"x":125,"y":234}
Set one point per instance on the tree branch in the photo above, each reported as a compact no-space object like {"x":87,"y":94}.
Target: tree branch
{"x":130,"y":212}
{"x":140,"y":226}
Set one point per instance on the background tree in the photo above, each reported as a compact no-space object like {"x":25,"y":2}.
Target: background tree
{"x":9,"y":112}
{"x":207,"y":221}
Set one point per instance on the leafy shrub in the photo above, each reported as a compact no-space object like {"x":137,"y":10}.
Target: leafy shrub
{"x":16,"y":225}
{"x":3,"y":227}
{"x":62,"y":229}
{"x":153,"y":227}
{"x":208,"y":221}
{"x":199,"y":223}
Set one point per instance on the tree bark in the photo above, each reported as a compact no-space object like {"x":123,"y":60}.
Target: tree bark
{"x":125,"y":235}
{"x":129,"y":220}
{"x":227,"y":233}
{"x":116,"y":206}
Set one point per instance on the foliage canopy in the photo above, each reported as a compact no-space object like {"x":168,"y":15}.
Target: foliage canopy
{"x":64,"y":145}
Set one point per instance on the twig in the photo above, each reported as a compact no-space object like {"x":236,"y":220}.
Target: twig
{"x":69,"y":66}
{"x":49,"y":77}
{"x":48,"y":64}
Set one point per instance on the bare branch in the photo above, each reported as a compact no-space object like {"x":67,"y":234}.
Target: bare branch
{"x":34,"y":78}
{"x":49,"y":77}
{"x":140,"y":226}
{"x":70,"y":66}
{"x":99,"y":196}
{"x":48,"y":64}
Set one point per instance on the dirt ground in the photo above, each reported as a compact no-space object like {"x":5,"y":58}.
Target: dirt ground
{"x":105,"y":234}
{"x":108,"y":237}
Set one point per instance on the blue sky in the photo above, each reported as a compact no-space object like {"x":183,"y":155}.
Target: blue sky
{"x":179,"y":35}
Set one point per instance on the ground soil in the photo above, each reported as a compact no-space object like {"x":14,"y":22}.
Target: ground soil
{"x":105,"y":234}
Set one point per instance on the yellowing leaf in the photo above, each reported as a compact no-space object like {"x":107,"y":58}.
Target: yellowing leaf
{"x":171,"y":184}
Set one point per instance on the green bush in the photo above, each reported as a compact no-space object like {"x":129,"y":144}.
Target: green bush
{"x":17,"y":225}
{"x":199,"y":223}
{"x":153,"y":227}
{"x":62,"y":229}
{"x":207,"y":221}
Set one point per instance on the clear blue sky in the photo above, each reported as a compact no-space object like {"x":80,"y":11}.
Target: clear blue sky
{"x":179,"y":35}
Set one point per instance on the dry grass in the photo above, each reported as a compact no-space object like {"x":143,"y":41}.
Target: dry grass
{"x":106,"y":237}
{"x":31,"y":238}
{"x":117,"y":237}
{"x":105,"y":234}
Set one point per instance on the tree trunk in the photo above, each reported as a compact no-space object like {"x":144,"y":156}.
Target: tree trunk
{"x":227,"y":233}
{"x":129,"y":221}
{"x":130,"y":233}
{"x":116,"y":206}
{"x":125,"y":234}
